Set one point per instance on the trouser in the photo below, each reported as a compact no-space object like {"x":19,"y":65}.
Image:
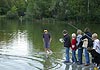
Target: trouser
{"x":80,"y":51}
{"x":86,"y":54}
{"x":46,"y":44}
{"x":67,"y":54}
{"x":95,"y":56}
{"x":74,"y":56}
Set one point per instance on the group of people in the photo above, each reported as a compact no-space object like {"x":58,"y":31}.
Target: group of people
{"x":81,"y":41}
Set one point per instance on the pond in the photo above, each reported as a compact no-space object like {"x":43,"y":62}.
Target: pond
{"x":21,"y":45}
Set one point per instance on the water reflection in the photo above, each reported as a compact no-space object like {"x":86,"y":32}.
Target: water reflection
{"x":20,"y":43}
{"x":17,"y":54}
{"x":17,"y":44}
{"x":21,"y":46}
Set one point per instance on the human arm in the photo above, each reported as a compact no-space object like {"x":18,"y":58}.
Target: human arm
{"x":50,"y":39}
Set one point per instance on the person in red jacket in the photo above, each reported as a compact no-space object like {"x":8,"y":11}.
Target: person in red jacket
{"x":73,"y":47}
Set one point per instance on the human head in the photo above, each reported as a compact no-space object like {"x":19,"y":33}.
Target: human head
{"x":45,"y":31}
{"x":64,"y":32}
{"x":86,"y":29}
{"x":94,"y":36}
{"x":73,"y":35}
{"x":79,"y":31}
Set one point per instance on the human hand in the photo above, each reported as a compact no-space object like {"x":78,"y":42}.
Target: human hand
{"x":73,"y":46}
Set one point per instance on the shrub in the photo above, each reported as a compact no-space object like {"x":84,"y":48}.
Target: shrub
{"x":12,"y":14}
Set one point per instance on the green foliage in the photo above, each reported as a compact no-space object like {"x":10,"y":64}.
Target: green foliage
{"x":21,"y":6}
{"x":39,"y":9}
{"x":76,"y":10}
{"x":4,"y":7}
{"x":12,"y":13}
{"x":8,"y":7}
{"x":95,"y":11}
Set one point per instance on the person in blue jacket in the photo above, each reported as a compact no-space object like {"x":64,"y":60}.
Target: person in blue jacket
{"x":79,"y":46}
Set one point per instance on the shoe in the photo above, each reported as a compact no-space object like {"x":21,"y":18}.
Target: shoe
{"x":66,"y":61}
{"x":73,"y":63}
{"x":86,"y":64}
{"x":50,"y":52}
{"x":98,"y":67}
{"x":47,"y":52}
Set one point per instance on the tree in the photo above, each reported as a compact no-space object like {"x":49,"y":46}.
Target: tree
{"x":73,"y":10}
{"x":4,"y":7}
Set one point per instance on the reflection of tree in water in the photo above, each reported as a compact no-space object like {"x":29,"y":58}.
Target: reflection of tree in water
{"x":47,"y":63}
{"x":8,"y":30}
{"x":5,"y":38}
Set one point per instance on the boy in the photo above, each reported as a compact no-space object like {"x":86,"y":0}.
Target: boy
{"x":67,"y":45}
{"x":47,"y":39}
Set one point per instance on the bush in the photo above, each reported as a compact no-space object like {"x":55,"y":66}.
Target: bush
{"x":12,"y":14}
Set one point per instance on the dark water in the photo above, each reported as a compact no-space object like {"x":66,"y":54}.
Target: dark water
{"x":21,"y":46}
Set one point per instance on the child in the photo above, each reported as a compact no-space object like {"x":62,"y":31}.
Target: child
{"x":67,"y":44}
{"x":47,"y":39}
{"x":95,"y":52}
{"x":79,"y":46}
{"x":73,"y":47}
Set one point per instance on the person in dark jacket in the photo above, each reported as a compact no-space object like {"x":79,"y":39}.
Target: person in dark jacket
{"x":67,"y":44}
{"x":87,"y":35}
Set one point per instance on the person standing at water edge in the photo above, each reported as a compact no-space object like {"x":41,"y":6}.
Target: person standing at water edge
{"x":96,"y":48}
{"x":73,"y":47}
{"x":87,"y":42}
{"x":95,"y":51}
{"x":67,"y":45}
{"x":47,"y":39}
{"x":79,"y":46}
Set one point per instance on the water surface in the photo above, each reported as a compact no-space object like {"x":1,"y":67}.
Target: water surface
{"x":21,"y":45}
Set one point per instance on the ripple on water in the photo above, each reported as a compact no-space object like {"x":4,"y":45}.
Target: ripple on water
{"x":19,"y":63}
{"x":37,"y":62}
